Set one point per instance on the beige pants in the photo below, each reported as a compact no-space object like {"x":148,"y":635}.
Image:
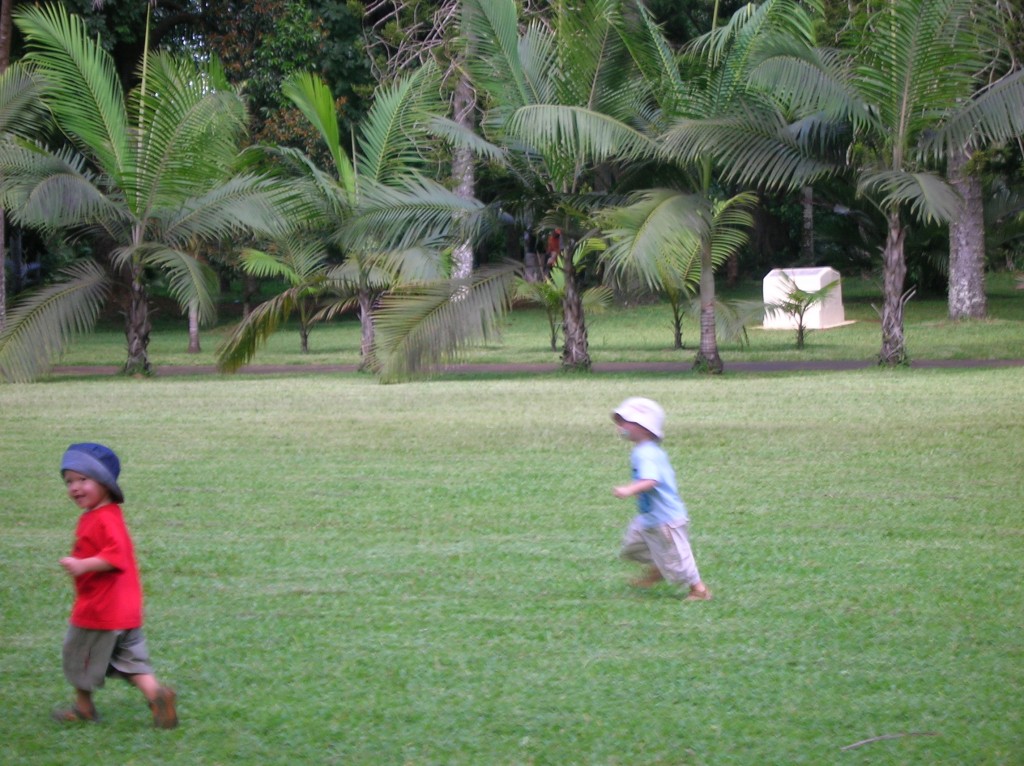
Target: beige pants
{"x":666,"y":547}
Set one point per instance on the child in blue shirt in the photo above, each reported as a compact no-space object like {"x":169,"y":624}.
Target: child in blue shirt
{"x":658,"y":536}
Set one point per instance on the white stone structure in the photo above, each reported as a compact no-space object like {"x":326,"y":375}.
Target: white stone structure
{"x":821,"y":316}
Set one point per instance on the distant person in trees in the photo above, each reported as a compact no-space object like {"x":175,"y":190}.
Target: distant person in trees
{"x":554,"y":249}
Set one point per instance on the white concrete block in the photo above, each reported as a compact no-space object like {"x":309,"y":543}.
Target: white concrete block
{"x":821,"y":316}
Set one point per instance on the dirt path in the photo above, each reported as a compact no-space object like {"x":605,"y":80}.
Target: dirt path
{"x":605,"y":367}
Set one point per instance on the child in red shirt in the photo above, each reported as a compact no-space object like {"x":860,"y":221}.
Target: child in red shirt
{"x":105,"y":637}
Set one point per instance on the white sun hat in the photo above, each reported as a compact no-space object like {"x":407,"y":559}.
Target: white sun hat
{"x":644,"y":412}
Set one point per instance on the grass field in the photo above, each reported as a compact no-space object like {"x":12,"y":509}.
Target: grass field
{"x":637,"y":334}
{"x":339,"y":572}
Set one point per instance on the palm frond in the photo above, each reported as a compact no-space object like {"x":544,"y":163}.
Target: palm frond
{"x":361,"y":270}
{"x":41,"y":324}
{"x":393,"y":136}
{"x":994,"y":114}
{"x":491,"y":28}
{"x":298,"y":258}
{"x":243,"y":203}
{"x":83,"y":90}
{"x":752,"y":148}
{"x":931,"y":198}
{"x":658,"y":227}
{"x":461,"y":136}
{"x":810,"y":81}
{"x":243,"y":341}
{"x":656,"y":61}
{"x":732,"y":222}
{"x":22,"y":110}
{"x":190,"y":282}
{"x":395,"y":218}
{"x":579,"y":132}
{"x":52,"y":190}
{"x":731,"y":318}
{"x":314,"y":99}
{"x":593,"y":59}
{"x":913,"y":41}
{"x":421,"y":327}
{"x":189,"y":135}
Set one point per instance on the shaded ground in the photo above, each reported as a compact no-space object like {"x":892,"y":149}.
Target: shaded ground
{"x":679,"y":367}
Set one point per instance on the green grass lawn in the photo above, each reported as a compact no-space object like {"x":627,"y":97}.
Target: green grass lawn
{"x":635,"y":334}
{"x":339,"y":572}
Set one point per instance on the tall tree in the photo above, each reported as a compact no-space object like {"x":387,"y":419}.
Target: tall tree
{"x":142,"y":179}
{"x":967,"y":298}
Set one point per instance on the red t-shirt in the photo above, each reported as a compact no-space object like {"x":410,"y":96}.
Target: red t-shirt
{"x":110,"y":600}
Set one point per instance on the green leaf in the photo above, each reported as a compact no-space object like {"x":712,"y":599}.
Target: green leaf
{"x":422,"y":326}
{"x":42,"y":323}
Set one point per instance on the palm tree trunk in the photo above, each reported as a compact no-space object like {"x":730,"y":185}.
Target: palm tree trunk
{"x":894,"y":266}
{"x":5,"y":59}
{"x":137,"y":326}
{"x":3,"y":273}
{"x":576,"y":353}
{"x":193,"y":328}
{"x":807,"y":232}
{"x":707,"y":359}
{"x":967,"y":298}
{"x":366,"y":325}
{"x":677,"y":321}
{"x":463,"y":173}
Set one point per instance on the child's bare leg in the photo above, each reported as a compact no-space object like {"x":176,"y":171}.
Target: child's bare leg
{"x":162,"y":699}
{"x":84,"y":703}
{"x":145,"y":683}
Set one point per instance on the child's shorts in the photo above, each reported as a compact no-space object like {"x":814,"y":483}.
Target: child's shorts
{"x":667,"y":547}
{"x":92,"y":655}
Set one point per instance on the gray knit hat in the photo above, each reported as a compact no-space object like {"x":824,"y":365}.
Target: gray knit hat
{"x":97,"y":462}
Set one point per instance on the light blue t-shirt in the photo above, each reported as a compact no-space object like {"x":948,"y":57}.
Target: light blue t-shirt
{"x":662,"y":505}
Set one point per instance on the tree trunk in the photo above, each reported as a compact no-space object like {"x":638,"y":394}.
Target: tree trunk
{"x":677,"y":324}
{"x":366,"y":324}
{"x":3,"y":274}
{"x":894,"y":273}
{"x":576,"y":353}
{"x":707,"y":359}
{"x":967,"y":298}
{"x":807,"y":232}
{"x":5,"y":59}
{"x":463,"y":173}
{"x":250,"y":286}
{"x":193,"y":328}
{"x":137,"y":326}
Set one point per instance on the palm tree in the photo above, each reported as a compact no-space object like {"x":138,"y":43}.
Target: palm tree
{"x":717,"y":101}
{"x":671,"y":239}
{"x":141,"y":180}
{"x":564,"y":108}
{"x":907,"y":90}
{"x":393,"y":224}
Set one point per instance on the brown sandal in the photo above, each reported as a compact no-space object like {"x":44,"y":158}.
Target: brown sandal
{"x":73,"y":715}
{"x":165,"y":716}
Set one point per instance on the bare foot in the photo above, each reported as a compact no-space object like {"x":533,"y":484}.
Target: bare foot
{"x":698,"y":592}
